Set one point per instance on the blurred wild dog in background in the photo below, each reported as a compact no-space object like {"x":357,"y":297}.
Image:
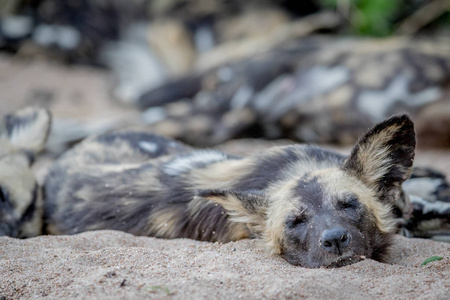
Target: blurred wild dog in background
{"x":22,"y":135}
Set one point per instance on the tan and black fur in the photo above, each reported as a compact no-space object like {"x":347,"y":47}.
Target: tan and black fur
{"x":312,"y":206}
{"x":22,"y":135}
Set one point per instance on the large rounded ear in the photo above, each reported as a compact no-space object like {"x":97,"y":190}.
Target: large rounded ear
{"x":27,"y":129}
{"x":383,"y":157}
{"x":243,"y":206}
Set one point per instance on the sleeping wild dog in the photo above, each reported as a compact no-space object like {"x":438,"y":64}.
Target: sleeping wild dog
{"x":312,"y":206}
{"x":22,"y":135}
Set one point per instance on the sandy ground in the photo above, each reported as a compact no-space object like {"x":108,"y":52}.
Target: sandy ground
{"x":115,"y":265}
{"x":118,"y":265}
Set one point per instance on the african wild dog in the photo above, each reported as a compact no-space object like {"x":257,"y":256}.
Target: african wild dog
{"x":23,"y":134}
{"x":312,"y":206}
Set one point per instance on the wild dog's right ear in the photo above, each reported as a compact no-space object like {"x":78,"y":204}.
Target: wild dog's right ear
{"x":27,"y":129}
{"x":383,"y":157}
{"x":244,"y":207}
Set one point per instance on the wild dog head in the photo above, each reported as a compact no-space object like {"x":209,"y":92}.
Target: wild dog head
{"x":329,"y":210}
{"x":22,"y":135}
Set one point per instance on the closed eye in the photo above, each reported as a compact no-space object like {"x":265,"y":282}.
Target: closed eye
{"x":350,"y":202}
{"x":295,"y":221}
{"x":347,"y":205}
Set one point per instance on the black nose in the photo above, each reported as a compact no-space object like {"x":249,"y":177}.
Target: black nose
{"x":335,"y":240}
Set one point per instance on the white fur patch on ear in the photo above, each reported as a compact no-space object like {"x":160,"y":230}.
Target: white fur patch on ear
{"x":375,"y":163}
{"x":383,"y":157}
{"x":243,"y":207}
{"x":28,"y":128}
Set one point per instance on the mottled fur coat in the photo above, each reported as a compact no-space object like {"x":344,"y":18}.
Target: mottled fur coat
{"x":312,"y":206}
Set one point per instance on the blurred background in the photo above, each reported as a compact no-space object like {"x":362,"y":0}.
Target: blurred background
{"x":209,"y":71}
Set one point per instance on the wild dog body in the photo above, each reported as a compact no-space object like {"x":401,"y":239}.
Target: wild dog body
{"x":22,"y":135}
{"x":312,"y":206}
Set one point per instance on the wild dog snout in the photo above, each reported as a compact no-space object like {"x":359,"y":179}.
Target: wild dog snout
{"x":335,"y":240}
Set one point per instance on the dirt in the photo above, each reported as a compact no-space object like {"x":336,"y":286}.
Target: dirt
{"x":117,"y":265}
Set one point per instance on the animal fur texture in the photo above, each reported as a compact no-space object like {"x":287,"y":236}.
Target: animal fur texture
{"x":22,"y":135}
{"x":312,"y":206}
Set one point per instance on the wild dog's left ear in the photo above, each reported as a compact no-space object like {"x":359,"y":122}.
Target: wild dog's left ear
{"x":245,"y":207}
{"x":383,"y":157}
{"x":27,"y":129}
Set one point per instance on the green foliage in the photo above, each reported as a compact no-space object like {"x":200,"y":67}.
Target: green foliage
{"x":369,"y":17}
{"x":374,"y":17}
{"x":430,"y":259}
{"x":155,"y":288}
